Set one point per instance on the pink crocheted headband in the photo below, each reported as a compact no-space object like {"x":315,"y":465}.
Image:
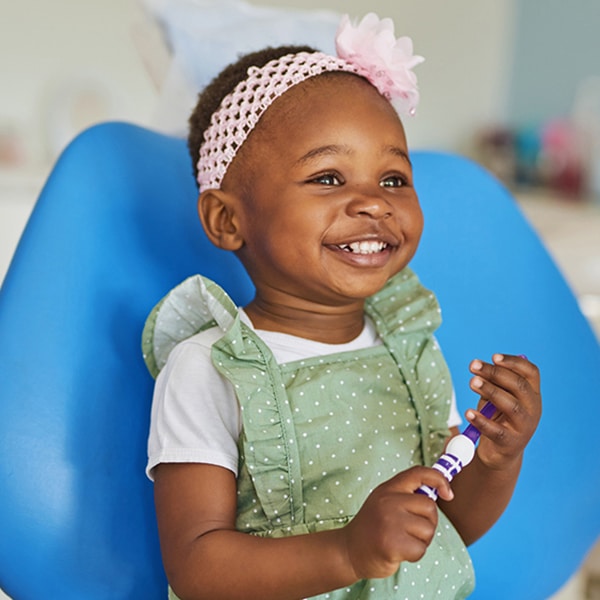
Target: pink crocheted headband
{"x":369,"y":49}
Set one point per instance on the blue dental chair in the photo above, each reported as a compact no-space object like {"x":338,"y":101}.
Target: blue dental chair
{"x":114,"y":229}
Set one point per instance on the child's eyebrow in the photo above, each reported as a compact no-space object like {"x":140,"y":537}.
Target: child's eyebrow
{"x":333,"y":149}
{"x":328,"y":150}
{"x":397,"y":151}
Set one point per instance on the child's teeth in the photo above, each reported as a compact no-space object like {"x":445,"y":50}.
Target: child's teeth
{"x":366,"y":247}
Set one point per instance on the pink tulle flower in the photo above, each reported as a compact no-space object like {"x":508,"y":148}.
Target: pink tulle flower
{"x":383,"y":59}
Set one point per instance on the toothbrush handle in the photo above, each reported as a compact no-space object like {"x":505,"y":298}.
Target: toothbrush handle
{"x":471,"y":431}
{"x":459,"y":453}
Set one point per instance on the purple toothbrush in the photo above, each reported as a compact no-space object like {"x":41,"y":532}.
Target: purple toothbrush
{"x":459,"y":451}
{"x":471,"y":431}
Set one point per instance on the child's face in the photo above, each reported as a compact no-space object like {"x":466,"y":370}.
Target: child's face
{"x":329,"y":213}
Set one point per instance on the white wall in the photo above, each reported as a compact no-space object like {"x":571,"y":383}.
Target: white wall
{"x":50,"y":50}
{"x":53,"y":55}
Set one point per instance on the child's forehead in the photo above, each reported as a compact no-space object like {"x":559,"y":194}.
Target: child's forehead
{"x":309,"y":99}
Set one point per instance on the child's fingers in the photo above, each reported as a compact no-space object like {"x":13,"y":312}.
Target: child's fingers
{"x":504,"y":401}
{"x":488,"y":427}
{"x":394,"y":524}
{"x":511,"y":383}
{"x":412,"y":479}
{"x":521,"y":366}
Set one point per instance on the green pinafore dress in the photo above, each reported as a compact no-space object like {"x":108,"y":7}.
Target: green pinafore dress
{"x":318,"y":435}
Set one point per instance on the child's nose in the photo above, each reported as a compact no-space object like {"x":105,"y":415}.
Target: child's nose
{"x":370,"y":203}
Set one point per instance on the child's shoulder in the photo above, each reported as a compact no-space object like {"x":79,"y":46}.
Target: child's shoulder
{"x":193,"y":354}
{"x":197,"y":310}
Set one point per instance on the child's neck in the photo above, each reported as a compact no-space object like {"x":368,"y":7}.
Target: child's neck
{"x":337,"y":325}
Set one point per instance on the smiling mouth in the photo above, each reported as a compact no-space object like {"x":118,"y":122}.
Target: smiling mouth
{"x":367,"y":247}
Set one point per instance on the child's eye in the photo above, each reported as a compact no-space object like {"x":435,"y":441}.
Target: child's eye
{"x":327,"y":179}
{"x":393,"y":181}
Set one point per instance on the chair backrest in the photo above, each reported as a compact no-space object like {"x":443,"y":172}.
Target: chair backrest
{"x":114,"y":229}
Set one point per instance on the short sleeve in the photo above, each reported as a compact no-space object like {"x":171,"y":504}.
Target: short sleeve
{"x":454,"y":420}
{"x":195,"y":414}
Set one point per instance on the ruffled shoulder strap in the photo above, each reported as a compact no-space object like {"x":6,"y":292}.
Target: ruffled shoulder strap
{"x":404,"y":306}
{"x":186,"y":310}
{"x":406,"y":315}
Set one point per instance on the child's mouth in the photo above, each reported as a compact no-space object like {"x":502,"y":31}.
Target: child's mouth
{"x":366,"y":247}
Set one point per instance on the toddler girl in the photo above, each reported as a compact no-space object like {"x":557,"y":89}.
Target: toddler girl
{"x":288,"y":437}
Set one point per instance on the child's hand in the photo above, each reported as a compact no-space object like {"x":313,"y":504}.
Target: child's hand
{"x":394,"y":524}
{"x":512,"y":384}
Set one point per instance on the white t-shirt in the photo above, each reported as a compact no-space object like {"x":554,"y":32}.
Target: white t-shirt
{"x":195,"y":413}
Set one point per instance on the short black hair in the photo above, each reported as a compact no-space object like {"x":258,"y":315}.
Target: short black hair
{"x":224,"y":83}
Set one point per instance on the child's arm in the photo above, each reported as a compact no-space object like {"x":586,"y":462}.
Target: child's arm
{"x":205,"y":557}
{"x":483,"y":489}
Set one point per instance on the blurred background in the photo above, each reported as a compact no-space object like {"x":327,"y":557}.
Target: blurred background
{"x":513,"y":84}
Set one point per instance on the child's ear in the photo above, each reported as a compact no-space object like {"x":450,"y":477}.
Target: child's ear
{"x":219,"y":219}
